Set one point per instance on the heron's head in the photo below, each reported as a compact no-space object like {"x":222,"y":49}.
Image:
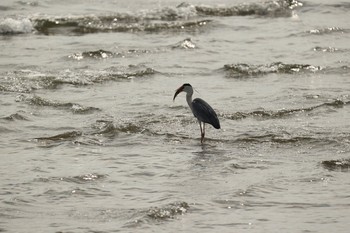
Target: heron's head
{"x":184,"y":88}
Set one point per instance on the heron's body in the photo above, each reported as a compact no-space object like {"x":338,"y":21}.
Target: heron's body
{"x":200,"y":109}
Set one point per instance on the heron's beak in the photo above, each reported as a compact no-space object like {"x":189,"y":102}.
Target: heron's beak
{"x":178,"y":91}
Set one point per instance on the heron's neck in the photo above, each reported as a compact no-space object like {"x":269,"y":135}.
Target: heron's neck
{"x":189,"y":99}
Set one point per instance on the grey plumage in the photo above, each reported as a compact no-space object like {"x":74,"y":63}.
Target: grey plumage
{"x":203,"y":112}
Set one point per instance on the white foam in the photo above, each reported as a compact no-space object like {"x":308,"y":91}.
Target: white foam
{"x":15,"y":26}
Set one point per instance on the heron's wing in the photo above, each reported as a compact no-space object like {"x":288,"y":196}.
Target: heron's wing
{"x":205,"y":113}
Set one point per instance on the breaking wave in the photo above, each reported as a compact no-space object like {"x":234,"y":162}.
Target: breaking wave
{"x":185,"y":44}
{"x":182,"y":17}
{"x":98,"y":54}
{"x":103,"y":54}
{"x":330,"y":49}
{"x":168,"y":211}
{"x":246,"y":70}
{"x":158,"y":214}
{"x":9,"y":26}
{"x":328,"y":30}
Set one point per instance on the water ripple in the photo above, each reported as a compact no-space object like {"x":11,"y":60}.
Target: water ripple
{"x":280,"y":8}
{"x":158,"y":214}
{"x":328,"y":30}
{"x":242,"y":70}
{"x":81,"y":179}
{"x":40,"y":101}
{"x":267,"y":114}
{"x":15,"y":116}
{"x":66,"y":136}
{"x":26,"y":81}
{"x":337,"y":165}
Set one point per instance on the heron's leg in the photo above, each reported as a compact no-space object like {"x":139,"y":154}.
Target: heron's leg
{"x":203,"y":129}
{"x":203,"y":133}
{"x":200,"y":126}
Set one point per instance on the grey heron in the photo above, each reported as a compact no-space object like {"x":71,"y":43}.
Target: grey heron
{"x":200,"y":109}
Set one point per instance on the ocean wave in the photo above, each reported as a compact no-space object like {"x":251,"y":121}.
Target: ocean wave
{"x":66,"y":136}
{"x":97,"y":135}
{"x":181,"y":17}
{"x":96,"y":24}
{"x":98,"y":54}
{"x":329,"y":49}
{"x":286,"y":138}
{"x":337,"y":165}
{"x":75,"y":137}
{"x":103,"y":54}
{"x":168,"y":211}
{"x":279,"y":8}
{"x":184,"y":17}
{"x":248,"y":70}
{"x":158,"y":214}
{"x":26,"y":81}
{"x":39,"y":101}
{"x":185,"y":44}
{"x":15,"y":116}
{"x":64,"y":192}
{"x":9,"y":26}
{"x":90,"y":77}
{"x":80,"y":179}
{"x":267,"y":114}
{"x":109,"y":129}
{"x":328,"y":30}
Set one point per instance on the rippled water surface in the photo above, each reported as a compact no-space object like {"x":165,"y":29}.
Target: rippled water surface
{"x":92,"y":141}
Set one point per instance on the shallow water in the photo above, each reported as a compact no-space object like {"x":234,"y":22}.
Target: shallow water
{"x":92,"y":141}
